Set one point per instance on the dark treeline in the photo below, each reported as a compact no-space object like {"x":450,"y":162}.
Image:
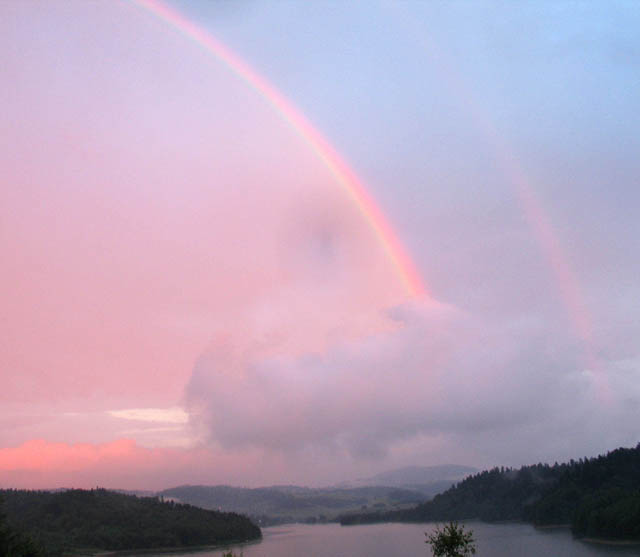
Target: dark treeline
{"x":14,"y":543}
{"x":598,"y":497}
{"x":55,"y":523}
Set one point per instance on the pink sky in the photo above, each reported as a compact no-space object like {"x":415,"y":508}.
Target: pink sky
{"x":153,"y":205}
{"x":190,"y":296}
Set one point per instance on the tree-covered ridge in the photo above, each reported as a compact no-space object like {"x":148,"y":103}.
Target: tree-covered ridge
{"x":599,"y":497}
{"x":491,"y":495}
{"x":101,"y":519}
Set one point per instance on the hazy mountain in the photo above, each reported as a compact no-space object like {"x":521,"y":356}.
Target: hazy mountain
{"x":416,"y":475}
{"x":392,"y":490}
{"x":281,"y":504}
{"x":428,"y":480}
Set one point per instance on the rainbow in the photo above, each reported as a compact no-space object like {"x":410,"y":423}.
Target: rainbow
{"x":539,"y":222}
{"x":343,"y":174}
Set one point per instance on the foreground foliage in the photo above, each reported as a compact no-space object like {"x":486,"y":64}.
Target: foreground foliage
{"x":14,"y":543}
{"x":598,"y":497}
{"x":101,"y":519}
{"x":451,"y":541}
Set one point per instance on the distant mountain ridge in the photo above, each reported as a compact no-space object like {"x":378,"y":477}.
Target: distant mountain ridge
{"x":392,"y":490}
{"x":286,"y":504}
{"x":428,"y":480}
{"x":419,"y":475}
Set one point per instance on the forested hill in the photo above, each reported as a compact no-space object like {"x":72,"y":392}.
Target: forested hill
{"x":599,"y":497}
{"x":106,"y":520}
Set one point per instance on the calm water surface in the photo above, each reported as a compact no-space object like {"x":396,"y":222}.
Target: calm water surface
{"x":390,"y":540}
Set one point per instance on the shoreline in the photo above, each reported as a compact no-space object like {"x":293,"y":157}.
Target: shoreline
{"x":167,"y":550}
{"x":595,"y":541}
{"x":605,"y":541}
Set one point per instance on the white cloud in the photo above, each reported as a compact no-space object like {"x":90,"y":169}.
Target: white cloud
{"x":515,"y":385}
{"x":172,"y":415}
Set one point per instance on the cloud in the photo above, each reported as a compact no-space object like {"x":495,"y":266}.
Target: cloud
{"x":121,"y":463}
{"x":124,"y":464}
{"x":173,"y":415}
{"x":38,"y":463}
{"x":135,"y":230}
{"x":438,"y":373}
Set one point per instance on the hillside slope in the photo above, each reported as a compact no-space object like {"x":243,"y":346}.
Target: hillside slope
{"x":101,"y":519}
{"x":599,"y":497}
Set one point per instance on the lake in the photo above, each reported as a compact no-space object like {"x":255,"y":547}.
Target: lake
{"x":391,"y":540}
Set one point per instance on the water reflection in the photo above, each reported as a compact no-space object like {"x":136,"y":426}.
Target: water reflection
{"x":399,"y":540}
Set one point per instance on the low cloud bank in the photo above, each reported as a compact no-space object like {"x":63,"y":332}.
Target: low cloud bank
{"x":123,"y":464}
{"x":515,"y":390}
